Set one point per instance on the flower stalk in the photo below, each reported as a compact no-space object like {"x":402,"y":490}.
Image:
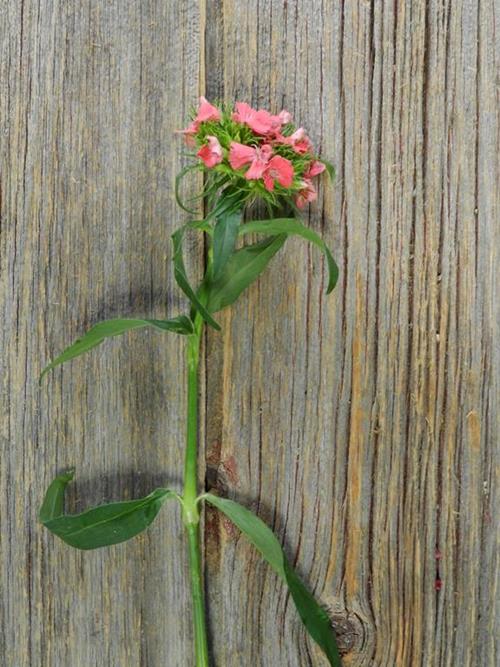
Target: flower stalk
{"x":190,"y":512}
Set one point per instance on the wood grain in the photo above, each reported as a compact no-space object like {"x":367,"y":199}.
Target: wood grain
{"x":362,"y":426}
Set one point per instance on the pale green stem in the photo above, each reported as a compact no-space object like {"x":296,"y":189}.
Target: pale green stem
{"x":191,"y":515}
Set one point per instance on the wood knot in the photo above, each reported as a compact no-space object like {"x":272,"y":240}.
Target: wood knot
{"x":349,"y":629}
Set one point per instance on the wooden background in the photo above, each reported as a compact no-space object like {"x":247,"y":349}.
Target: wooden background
{"x":360,"y":426}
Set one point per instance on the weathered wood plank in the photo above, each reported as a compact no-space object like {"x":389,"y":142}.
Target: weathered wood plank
{"x":361,"y":425}
{"x":91,"y":95}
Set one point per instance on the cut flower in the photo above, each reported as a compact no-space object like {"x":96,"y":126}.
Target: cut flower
{"x":254,"y":152}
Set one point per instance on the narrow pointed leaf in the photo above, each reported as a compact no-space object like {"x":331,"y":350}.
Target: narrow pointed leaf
{"x":229,"y":201}
{"x":102,"y":525}
{"x":109,"y":328}
{"x":178,"y":180}
{"x":241,"y":270}
{"x":313,"y":616}
{"x":183,"y":282}
{"x":225,"y":235}
{"x":291,"y":227}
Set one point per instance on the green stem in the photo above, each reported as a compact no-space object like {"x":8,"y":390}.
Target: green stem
{"x":199,"y":623}
{"x":191,"y":515}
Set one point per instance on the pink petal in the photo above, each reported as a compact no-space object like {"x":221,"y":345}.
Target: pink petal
{"x":280,"y":139}
{"x":298,"y":135}
{"x":299,"y":141}
{"x":240,"y":155}
{"x":215,"y":146}
{"x":211,"y":153}
{"x":192,"y":128}
{"x":189,"y":133}
{"x":268,"y":181}
{"x":276,"y":124}
{"x":316,"y":167}
{"x":260,"y":162}
{"x":281,"y":169}
{"x":300,"y":201}
{"x":266,"y":150}
{"x":257,"y":169}
{"x":307,"y":194}
{"x":260,"y":122}
{"x":304,"y":146}
{"x":207,"y":111}
{"x":243,"y":112}
{"x":285,"y":116}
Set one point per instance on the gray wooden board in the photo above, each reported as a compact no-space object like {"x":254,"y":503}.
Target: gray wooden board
{"x":361,"y":426}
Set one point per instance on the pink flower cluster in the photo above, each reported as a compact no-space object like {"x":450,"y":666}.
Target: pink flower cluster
{"x":262,"y":158}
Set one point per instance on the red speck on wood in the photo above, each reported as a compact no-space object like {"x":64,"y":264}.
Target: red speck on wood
{"x":230,"y":469}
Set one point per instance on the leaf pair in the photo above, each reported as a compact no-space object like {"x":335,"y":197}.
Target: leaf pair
{"x":99,"y":526}
{"x":232,"y":272}
{"x":117,"y":522}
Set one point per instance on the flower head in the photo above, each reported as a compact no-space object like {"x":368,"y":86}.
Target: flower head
{"x":255,"y":153}
{"x":257,"y":157}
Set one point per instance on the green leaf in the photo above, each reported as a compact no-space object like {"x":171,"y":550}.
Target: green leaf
{"x":243,"y":267}
{"x":178,"y":179}
{"x":225,"y":234}
{"x":313,"y":616}
{"x":109,"y":328}
{"x":99,"y":526}
{"x":52,"y":505}
{"x":290,"y":227}
{"x":229,"y":201}
{"x":183,"y":282}
{"x":330,"y":169}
